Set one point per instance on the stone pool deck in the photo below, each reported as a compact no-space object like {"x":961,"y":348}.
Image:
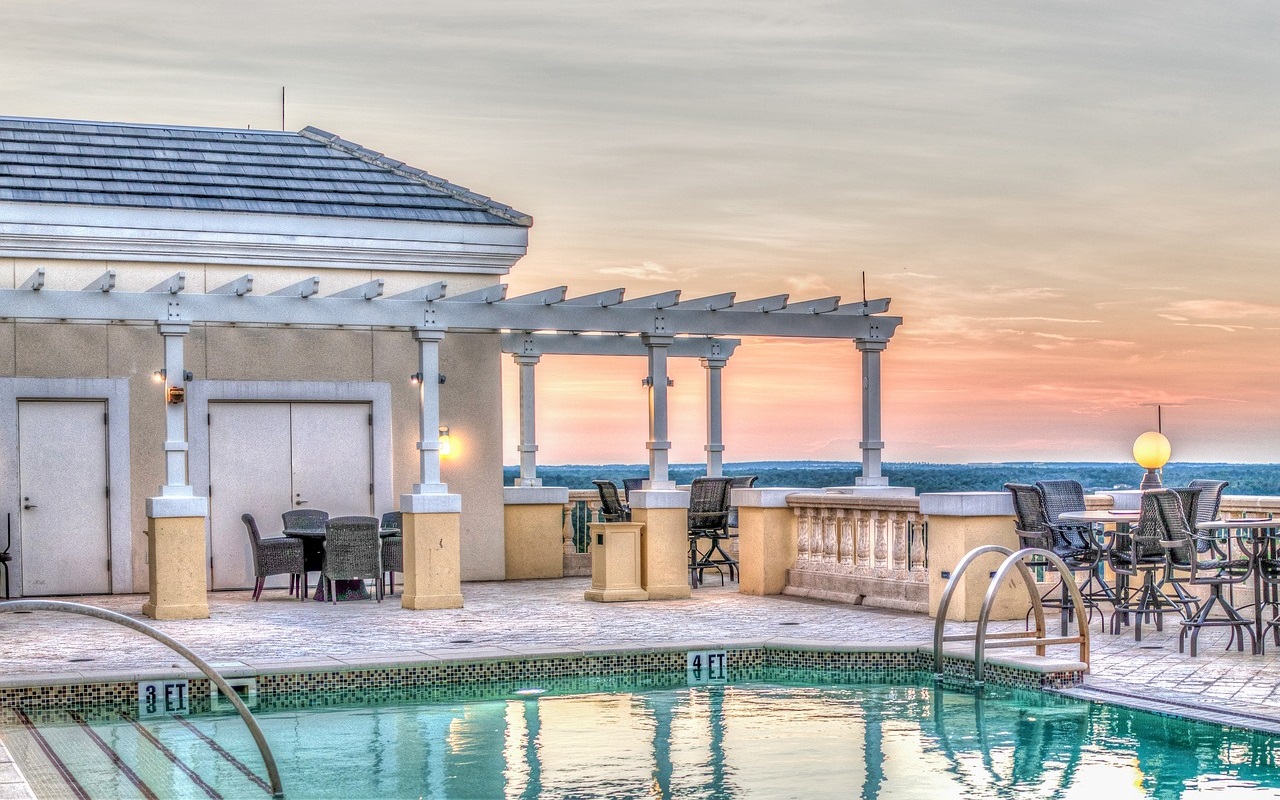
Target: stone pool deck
{"x":531,"y":617}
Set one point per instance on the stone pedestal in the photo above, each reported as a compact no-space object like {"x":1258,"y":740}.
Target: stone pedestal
{"x":534,"y":523}
{"x":615,"y":563}
{"x":959,"y":522}
{"x":177,"y":557}
{"x":432,"y":551}
{"x":664,"y":541}
{"x":766,"y":539}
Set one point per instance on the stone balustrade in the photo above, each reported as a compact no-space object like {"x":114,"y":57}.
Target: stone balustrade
{"x":859,"y":549}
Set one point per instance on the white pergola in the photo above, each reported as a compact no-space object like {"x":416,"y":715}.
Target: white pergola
{"x":657,"y":326}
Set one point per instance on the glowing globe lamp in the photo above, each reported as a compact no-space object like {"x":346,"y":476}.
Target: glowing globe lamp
{"x":1151,"y":450}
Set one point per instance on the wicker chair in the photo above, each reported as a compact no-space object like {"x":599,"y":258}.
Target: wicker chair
{"x":392,"y":547}
{"x":630,"y":485}
{"x":709,"y":519}
{"x":612,"y":509}
{"x":739,"y":482}
{"x":305,"y":519}
{"x":352,"y":551}
{"x":275,"y":556}
{"x":1214,"y":566}
{"x":1073,"y":543}
{"x":1139,"y":553}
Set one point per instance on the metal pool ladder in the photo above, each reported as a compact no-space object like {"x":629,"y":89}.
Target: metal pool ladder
{"x":981,"y":639}
{"x":273,"y":774}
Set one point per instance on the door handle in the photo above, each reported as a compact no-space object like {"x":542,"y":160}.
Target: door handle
{"x":27,"y":504}
{"x":300,"y":502}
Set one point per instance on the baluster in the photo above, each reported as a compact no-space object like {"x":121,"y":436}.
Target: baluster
{"x":899,"y":541}
{"x":846,"y":540}
{"x":862,"y":557}
{"x":880,"y":555}
{"x":829,"y":541}
{"x":917,"y":529}
{"x":802,"y":538}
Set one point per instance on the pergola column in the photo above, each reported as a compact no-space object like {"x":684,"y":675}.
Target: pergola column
{"x":659,"y":445}
{"x":872,"y":444}
{"x":528,"y":432}
{"x":176,"y":549}
{"x":431,"y":517}
{"x":715,"y":428}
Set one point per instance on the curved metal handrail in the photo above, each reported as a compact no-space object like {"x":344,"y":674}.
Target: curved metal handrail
{"x":1016,"y":560}
{"x":277,"y":789}
{"x":944,"y":603}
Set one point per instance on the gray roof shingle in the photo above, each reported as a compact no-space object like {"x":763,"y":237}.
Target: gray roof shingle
{"x":311,"y":173}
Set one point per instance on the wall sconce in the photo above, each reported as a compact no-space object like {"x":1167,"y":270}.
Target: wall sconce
{"x":158,"y":376}
{"x":445,"y":446}
{"x":1151,"y":450}
{"x":648,"y":381}
{"x":415,"y":378}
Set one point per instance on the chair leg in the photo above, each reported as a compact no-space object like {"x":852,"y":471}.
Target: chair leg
{"x":5,"y":566}
{"x":333,"y":594}
{"x":257,"y":588}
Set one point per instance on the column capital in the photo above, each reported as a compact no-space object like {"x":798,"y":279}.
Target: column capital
{"x":428,"y":334}
{"x":713,"y":363}
{"x":526,"y":360}
{"x":173,"y":328}
{"x":871,"y":344}
{"x":657,"y":340}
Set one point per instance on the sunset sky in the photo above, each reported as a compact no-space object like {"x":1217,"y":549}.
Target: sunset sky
{"x":1075,"y":206}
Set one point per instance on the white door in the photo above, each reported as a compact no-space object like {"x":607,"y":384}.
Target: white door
{"x":63,"y":485}
{"x":268,"y":458}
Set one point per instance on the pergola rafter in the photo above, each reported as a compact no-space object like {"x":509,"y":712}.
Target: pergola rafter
{"x":656,"y":326}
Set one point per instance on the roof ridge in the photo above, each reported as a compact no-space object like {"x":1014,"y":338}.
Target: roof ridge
{"x":148,"y":125}
{"x":413,"y":173}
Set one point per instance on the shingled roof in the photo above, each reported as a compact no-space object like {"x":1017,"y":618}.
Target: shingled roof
{"x":310,"y":173}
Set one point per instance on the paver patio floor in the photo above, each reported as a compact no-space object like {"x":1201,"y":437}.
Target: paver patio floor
{"x":528,"y":616}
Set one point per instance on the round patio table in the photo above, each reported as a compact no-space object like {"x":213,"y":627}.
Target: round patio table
{"x":1257,"y":538}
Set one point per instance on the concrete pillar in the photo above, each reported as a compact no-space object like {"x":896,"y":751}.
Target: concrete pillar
{"x":176,"y":548}
{"x":432,"y":551}
{"x":533,"y":517}
{"x":659,"y":445}
{"x":528,"y":433}
{"x":872,"y":444}
{"x":431,"y":516}
{"x":615,"y":563}
{"x":715,"y":427}
{"x":766,"y":539}
{"x":959,"y":522}
{"x":664,"y":542}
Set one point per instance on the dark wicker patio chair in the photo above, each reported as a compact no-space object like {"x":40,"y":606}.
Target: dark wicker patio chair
{"x":352,"y":551}
{"x":612,"y":509}
{"x":392,"y":547}
{"x":1215,"y":567}
{"x":630,"y":485}
{"x":1073,"y":543}
{"x":709,"y":519}
{"x":305,"y":519}
{"x":739,"y":482}
{"x":1139,"y":553}
{"x":275,"y":556}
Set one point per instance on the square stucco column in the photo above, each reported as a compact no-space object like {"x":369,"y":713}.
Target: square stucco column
{"x":432,"y":551}
{"x":176,"y":558}
{"x":664,"y":541}
{"x":534,"y":526}
{"x":959,"y":522}
{"x":766,"y":539}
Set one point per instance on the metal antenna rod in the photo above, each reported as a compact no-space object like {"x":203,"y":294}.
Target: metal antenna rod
{"x":282,"y":127}
{"x":1159,"y":429}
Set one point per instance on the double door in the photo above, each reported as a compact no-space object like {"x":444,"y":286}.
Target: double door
{"x":268,"y":458}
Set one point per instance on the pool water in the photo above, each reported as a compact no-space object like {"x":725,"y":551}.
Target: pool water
{"x":766,"y":739}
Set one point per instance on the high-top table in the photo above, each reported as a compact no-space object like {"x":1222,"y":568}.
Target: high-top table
{"x":1257,"y":538}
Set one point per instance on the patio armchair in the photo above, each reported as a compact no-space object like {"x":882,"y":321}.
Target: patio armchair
{"x":1139,"y":553}
{"x":1073,"y":543}
{"x":352,"y":551}
{"x":1218,"y":565}
{"x":739,"y":482}
{"x":305,"y":519}
{"x":612,"y":509}
{"x":392,"y":533}
{"x":709,"y":519}
{"x":630,"y":485}
{"x":275,"y":556}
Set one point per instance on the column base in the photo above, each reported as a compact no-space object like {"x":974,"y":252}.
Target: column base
{"x":172,"y":611}
{"x":615,"y":595}
{"x":176,"y":556}
{"x":432,"y":551}
{"x":425,"y":602}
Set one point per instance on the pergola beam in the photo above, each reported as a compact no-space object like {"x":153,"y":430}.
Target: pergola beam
{"x":577,"y":344}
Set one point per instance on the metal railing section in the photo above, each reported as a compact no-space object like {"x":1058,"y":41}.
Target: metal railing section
{"x":61,"y":606}
{"x":981,"y":638}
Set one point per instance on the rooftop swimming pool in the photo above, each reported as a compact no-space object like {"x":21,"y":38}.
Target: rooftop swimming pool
{"x":787,"y":734}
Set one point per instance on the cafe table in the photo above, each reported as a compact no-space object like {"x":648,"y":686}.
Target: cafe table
{"x":1258,"y":539}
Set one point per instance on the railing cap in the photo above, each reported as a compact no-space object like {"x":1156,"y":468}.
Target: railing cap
{"x":535,"y":495}
{"x":967,"y":504}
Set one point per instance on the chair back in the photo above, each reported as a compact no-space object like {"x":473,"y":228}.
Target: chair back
{"x":630,"y":485}
{"x":709,"y":504}
{"x":611,"y":507}
{"x":393,"y":520}
{"x":739,"y":482}
{"x":1210,"y":498}
{"x":254,"y":536}
{"x":1061,"y":497}
{"x":351,"y":548}
{"x":1028,"y":507}
{"x":305,"y":519}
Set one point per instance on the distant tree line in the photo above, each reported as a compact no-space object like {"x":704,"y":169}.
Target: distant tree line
{"x":1247,"y":479}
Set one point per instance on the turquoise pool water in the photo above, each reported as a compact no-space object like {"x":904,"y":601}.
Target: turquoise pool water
{"x":893,"y":739}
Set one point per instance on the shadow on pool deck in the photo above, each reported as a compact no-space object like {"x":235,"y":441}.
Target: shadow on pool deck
{"x":523,"y":616}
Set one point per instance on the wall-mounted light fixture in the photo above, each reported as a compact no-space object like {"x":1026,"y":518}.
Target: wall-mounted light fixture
{"x":648,"y":381}
{"x":158,"y":376}
{"x":446,"y":446}
{"x":415,"y":378}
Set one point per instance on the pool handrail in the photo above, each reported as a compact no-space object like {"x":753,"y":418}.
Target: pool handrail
{"x":62,"y":606}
